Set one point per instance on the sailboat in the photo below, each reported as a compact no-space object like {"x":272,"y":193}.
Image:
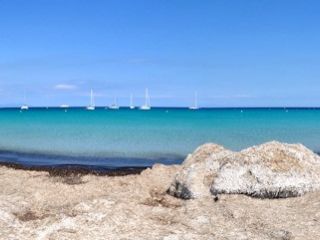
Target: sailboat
{"x":146,"y":105}
{"x":131,"y":102}
{"x":24,"y":106}
{"x":64,"y":106}
{"x":114,"y":105}
{"x":91,"y":107}
{"x":195,"y":104}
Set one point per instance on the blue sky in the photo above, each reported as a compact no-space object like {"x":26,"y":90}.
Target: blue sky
{"x":234,"y":53}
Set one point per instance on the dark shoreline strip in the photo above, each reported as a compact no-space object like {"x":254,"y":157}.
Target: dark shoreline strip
{"x":71,"y":170}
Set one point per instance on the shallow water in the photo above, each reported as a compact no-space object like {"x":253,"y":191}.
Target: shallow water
{"x":133,"y":137}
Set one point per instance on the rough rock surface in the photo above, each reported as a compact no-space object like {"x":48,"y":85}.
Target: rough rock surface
{"x":197,"y":173}
{"x":271,"y":170}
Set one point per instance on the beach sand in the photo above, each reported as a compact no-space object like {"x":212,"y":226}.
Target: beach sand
{"x":39,"y":205}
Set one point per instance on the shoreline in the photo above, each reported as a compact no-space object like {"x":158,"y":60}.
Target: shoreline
{"x":65,"y":170}
{"x":98,"y":165}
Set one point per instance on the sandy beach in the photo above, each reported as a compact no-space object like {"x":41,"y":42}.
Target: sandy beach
{"x":36,"y":205}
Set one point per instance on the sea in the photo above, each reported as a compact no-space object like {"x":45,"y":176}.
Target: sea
{"x":135,"y":138}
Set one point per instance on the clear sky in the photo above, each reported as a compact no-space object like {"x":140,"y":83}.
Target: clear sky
{"x":234,"y":53}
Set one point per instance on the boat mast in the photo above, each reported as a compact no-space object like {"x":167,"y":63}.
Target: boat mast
{"x":131,"y":100}
{"x":196,"y":100}
{"x":147,"y":98}
{"x":91,"y":99}
{"x":24,"y":98}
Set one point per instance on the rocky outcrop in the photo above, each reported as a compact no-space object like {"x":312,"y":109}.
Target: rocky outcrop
{"x":271,"y":170}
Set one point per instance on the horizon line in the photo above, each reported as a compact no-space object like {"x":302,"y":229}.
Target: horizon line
{"x":172,"y":107}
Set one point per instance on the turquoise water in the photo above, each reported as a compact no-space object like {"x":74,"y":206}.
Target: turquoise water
{"x":160,"y":135}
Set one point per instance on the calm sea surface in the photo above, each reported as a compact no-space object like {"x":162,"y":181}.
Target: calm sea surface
{"x":138,"y":138}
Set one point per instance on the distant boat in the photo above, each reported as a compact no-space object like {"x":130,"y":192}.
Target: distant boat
{"x":64,"y":106}
{"x":146,"y":105}
{"x":131,"y":102}
{"x":24,"y":106}
{"x":114,"y":105}
{"x":195,"y":103}
{"x":91,"y":107}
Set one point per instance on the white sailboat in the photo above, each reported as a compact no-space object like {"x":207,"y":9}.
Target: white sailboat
{"x":24,"y":106}
{"x":195,"y":104}
{"x":64,"y":106}
{"x":91,"y":107}
{"x":131,"y":102}
{"x":146,"y":105}
{"x":114,"y":105}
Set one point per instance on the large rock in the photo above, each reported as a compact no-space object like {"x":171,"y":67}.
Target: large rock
{"x":271,"y":170}
{"x":198,"y":171}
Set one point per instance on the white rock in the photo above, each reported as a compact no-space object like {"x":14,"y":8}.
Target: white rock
{"x":197,"y":173}
{"x":271,"y":170}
